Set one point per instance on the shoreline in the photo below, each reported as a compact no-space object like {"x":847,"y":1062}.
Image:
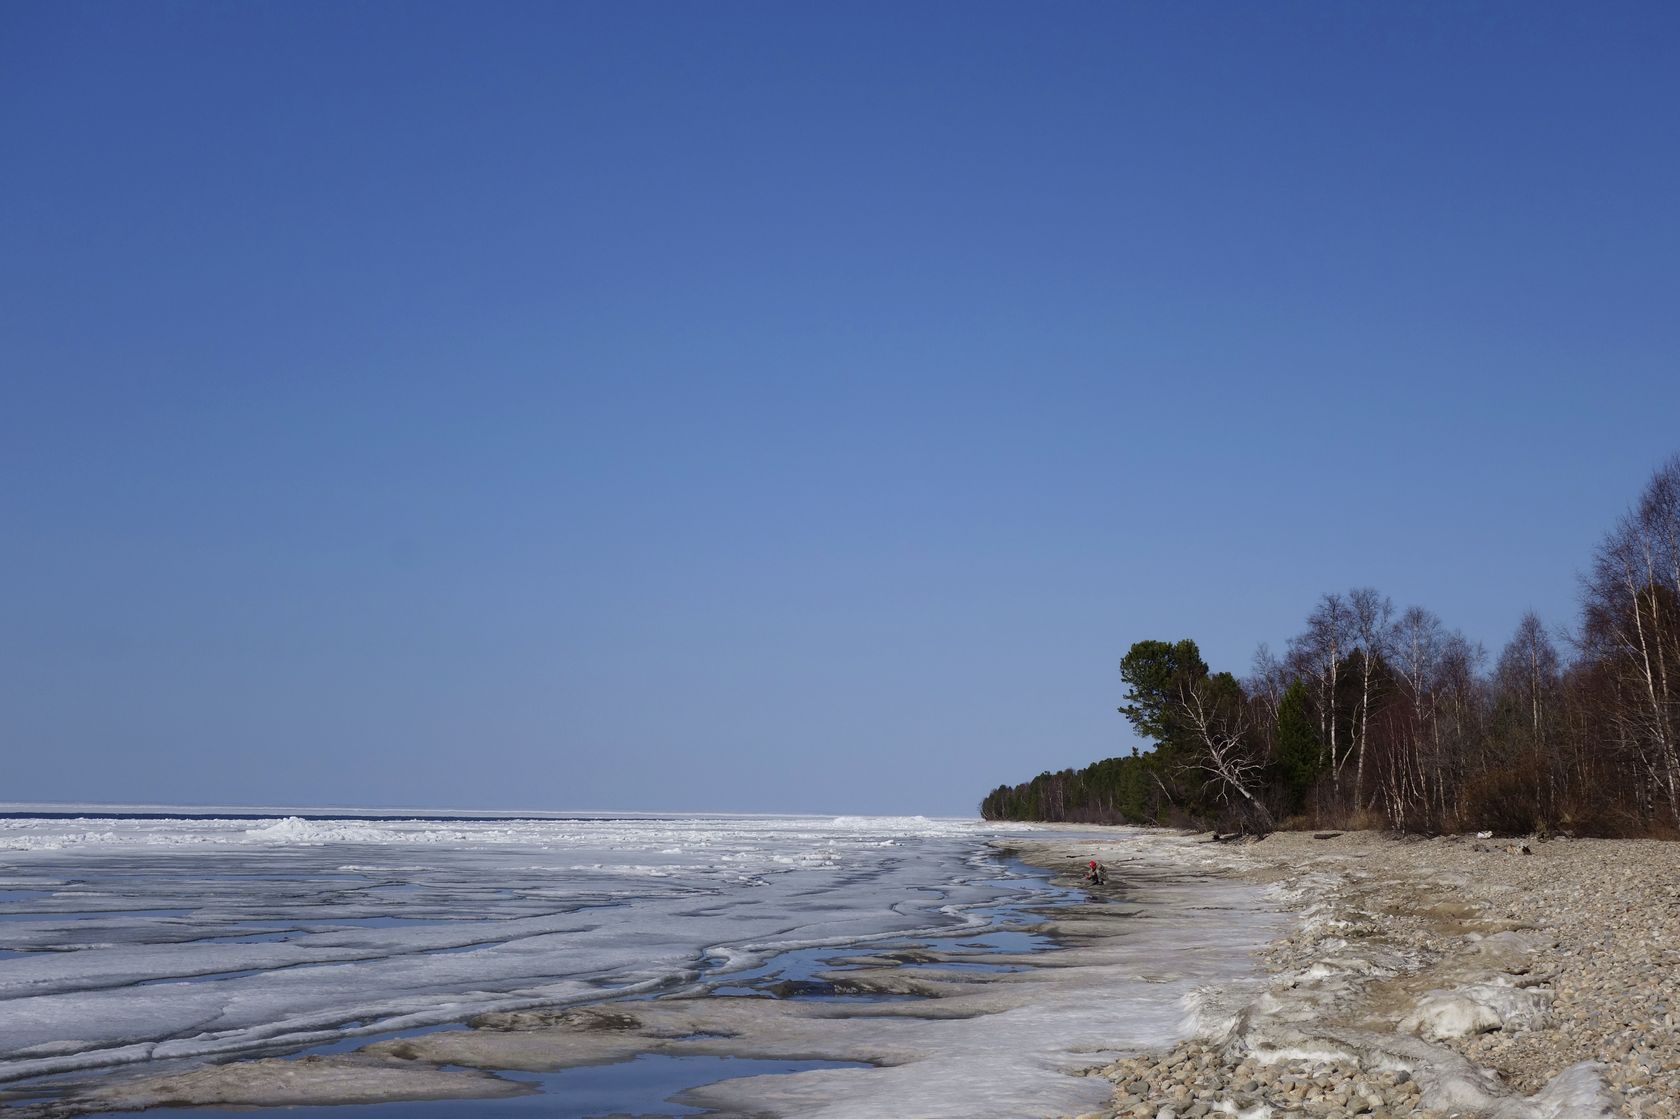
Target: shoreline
{"x":1003,"y":1029}
{"x":1295,"y":977}
{"x":1437,"y":978}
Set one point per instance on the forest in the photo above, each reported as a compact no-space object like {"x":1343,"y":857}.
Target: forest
{"x":1382,"y":718}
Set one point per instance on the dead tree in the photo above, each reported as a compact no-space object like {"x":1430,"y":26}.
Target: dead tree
{"x":1219,"y":725}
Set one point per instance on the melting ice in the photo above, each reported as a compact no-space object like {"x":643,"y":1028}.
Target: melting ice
{"x":132,"y":940}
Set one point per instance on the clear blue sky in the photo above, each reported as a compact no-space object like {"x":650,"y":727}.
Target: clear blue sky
{"x":777,"y":406}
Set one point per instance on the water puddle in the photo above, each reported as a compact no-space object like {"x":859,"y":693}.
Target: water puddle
{"x":962,"y":965}
{"x":1004,"y":942}
{"x":795,"y":965}
{"x":816,"y":992}
{"x":641,"y":1087}
{"x":351,"y":1044}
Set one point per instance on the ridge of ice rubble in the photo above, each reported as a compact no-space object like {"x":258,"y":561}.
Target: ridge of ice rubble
{"x":295,"y":829}
{"x":679,"y":831}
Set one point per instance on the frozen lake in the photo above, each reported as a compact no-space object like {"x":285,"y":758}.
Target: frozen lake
{"x":151,"y":940}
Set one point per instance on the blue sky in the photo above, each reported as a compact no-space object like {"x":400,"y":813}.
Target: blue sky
{"x":758,"y":406}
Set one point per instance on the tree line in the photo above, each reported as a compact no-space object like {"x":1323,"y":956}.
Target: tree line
{"x":1373,"y":717}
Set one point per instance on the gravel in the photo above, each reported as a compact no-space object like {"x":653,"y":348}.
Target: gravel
{"x":1531,"y":979}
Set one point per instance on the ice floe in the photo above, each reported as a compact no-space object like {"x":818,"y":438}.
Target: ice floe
{"x":141,"y":939}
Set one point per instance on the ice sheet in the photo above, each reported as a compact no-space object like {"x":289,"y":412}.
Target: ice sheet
{"x":132,"y":939}
{"x":187,"y":938}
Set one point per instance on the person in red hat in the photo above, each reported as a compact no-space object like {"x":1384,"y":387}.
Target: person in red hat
{"x":1094,"y":875}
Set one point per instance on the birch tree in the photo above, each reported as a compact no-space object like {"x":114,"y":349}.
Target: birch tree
{"x":1417,"y":643}
{"x":1317,"y":656}
{"x":1631,"y":620}
{"x":1370,"y":616}
{"x":1528,"y":674}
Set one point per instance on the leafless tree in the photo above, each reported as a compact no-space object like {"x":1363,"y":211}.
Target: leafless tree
{"x":1316,"y":655}
{"x":1416,"y":646}
{"x":1631,"y":621}
{"x":1270,"y":677}
{"x":1528,"y":672}
{"x":1371,"y":615}
{"x":1224,"y":759}
{"x":1457,"y":728}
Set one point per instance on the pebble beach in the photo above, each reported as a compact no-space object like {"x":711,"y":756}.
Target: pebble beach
{"x":1427,"y":979}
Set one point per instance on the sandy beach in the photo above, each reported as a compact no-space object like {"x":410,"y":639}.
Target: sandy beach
{"x":1511,"y":979}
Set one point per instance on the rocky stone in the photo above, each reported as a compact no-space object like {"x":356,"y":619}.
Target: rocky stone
{"x":1557,"y":968}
